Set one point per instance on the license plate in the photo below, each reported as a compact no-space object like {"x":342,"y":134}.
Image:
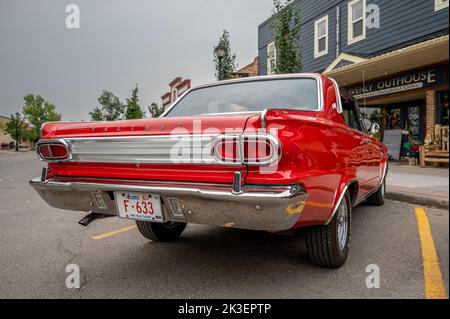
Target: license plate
{"x":139,"y":206}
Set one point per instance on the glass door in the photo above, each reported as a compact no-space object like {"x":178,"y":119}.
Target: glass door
{"x":413,"y":122}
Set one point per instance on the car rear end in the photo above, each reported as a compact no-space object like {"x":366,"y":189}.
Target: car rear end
{"x":169,"y":170}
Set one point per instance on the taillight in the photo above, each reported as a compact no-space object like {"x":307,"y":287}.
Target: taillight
{"x":246,"y":149}
{"x":53,"y":151}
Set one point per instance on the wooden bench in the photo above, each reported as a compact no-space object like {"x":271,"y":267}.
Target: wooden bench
{"x":438,"y":153}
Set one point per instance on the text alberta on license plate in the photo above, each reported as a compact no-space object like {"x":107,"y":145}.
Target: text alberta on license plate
{"x":139,"y":206}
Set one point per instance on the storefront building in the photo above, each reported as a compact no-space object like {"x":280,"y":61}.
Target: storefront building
{"x":391,"y":55}
{"x":406,"y":89}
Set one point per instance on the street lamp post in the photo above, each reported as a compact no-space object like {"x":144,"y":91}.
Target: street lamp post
{"x":219,"y":53}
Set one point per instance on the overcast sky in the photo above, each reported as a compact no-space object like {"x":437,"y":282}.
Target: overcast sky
{"x":119,"y":43}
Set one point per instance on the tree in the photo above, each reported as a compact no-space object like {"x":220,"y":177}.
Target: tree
{"x":110,"y":109}
{"x":155,"y":110}
{"x":38,"y":111}
{"x":17,"y":128}
{"x":286,"y":26}
{"x":227,"y":65}
{"x":134,"y":111}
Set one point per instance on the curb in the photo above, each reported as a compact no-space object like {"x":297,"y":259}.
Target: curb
{"x":419,"y":200}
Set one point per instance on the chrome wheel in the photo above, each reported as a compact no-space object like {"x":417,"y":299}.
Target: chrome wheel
{"x":342,"y":225}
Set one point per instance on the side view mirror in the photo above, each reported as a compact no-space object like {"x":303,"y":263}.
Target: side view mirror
{"x":373,"y":128}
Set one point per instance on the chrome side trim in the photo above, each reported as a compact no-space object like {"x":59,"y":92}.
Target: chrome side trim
{"x":263,"y":119}
{"x":341,"y":197}
{"x":375,"y":190}
{"x":361,"y":200}
{"x":338,"y":96}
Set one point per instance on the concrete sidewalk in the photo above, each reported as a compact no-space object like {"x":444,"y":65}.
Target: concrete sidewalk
{"x":423,"y":186}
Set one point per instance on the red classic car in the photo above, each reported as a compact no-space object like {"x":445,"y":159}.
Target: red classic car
{"x":269,"y":153}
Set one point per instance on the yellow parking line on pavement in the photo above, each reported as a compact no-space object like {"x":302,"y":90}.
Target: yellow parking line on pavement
{"x":434,"y":284}
{"x":114,"y":232}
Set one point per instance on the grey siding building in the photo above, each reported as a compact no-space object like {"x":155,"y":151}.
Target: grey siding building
{"x":392,"y":55}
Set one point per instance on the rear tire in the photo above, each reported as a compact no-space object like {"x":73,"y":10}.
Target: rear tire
{"x":328,"y":245}
{"x":378,"y":198}
{"x":160,"y":232}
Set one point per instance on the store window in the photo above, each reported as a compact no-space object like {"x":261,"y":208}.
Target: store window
{"x":375,"y":115}
{"x":394,"y":119}
{"x":440,"y":4}
{"x":350,"y":114}
{"x":356,"y":21}
{"x":321,"y":37}
{"x":443,"y":115}
{"x":412,"y":122}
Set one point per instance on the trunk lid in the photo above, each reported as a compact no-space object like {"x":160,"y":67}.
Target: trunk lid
{"x":148,"y":127}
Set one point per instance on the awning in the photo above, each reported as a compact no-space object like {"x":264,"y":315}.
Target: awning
{"x":415,"y":56}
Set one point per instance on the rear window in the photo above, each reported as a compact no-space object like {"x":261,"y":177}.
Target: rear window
{"x":251,"y":96}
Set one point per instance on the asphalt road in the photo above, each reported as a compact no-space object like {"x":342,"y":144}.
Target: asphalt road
{"x":37,"y":242}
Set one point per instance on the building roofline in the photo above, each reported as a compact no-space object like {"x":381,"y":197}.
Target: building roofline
{"x":412,"y":48}
{"x":175,"y":81}
{"x":184,"y":82}
{"x":165,"y":95}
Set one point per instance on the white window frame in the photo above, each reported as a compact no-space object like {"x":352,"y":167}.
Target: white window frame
{"x":440,"y":5}
{"x":174,"y":95}
{"x":318,"y":54}
{"x":270,"y":70}
{"x":351,"y":39}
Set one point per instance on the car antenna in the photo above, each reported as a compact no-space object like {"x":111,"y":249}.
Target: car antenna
{"x":364,"y":92}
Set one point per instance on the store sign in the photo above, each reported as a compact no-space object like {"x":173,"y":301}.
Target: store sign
{"x":405,"y":82}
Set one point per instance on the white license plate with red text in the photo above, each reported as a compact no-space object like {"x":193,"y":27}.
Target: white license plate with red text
{"x":139,"y":206}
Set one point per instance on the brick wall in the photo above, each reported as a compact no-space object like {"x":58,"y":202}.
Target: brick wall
{"x":251,"y":69}
{"x":430,"y":117}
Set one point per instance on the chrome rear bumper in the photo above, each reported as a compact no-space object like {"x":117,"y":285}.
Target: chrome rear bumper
{"x":270,"y":208}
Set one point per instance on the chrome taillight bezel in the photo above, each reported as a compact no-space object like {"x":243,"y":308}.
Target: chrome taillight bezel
{"x":49,"y":143}
{"x":241,"y":139}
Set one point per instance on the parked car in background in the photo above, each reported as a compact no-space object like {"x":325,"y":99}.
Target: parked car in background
{"x":269,"y":153}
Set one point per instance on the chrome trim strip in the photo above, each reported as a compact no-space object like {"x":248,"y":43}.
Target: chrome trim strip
{"x":340,"y":109}
{"x":162,"y":149}
{"x":341,"y":197}
{"x":263,"y":119}
{"x":205,"y":189}
{"x":379,"y":185}
{"x":360,"y":201}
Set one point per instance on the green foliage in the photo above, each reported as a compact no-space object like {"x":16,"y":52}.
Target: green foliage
{"x":38,"y":111}
{"x":286,"y":24}
{"x":17,"y":128}
{"x":110,"y":109}
{"x":155,"y":110}
{"x":227,"y":66}
{"x":134,"y":111}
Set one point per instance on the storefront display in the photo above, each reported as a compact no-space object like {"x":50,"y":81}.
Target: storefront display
{"x":442,"y":108}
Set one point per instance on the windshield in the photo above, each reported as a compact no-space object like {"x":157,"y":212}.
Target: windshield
{"x":297,"y":94}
